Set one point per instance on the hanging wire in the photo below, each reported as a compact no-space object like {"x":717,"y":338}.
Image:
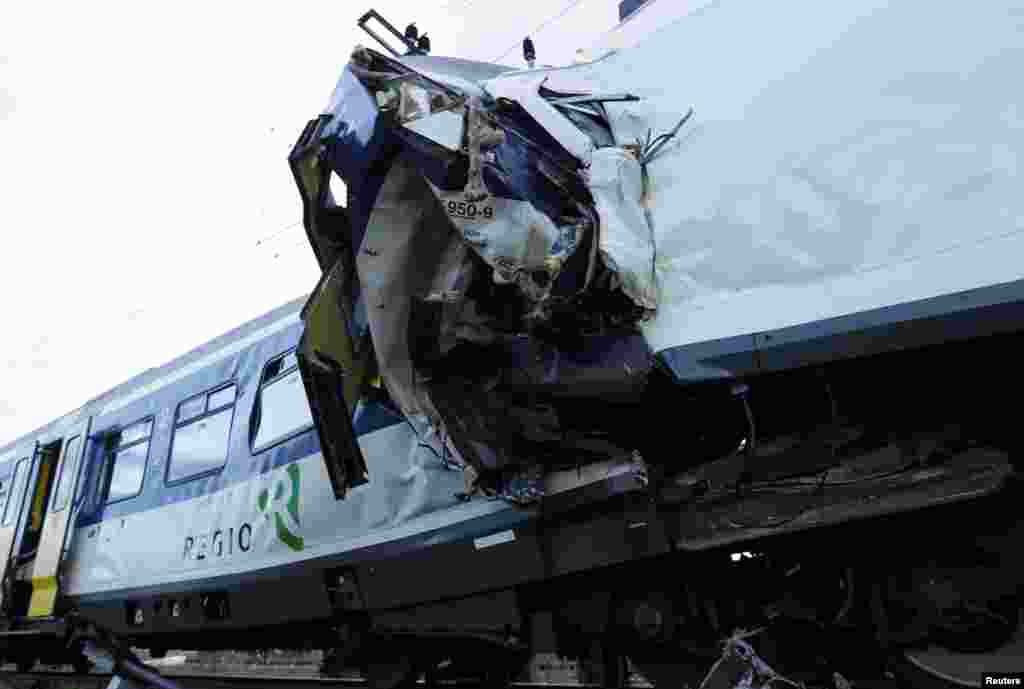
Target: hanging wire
{"x":649,"y":149}
{"x":277,"y":232}
{"x":288,"y":247}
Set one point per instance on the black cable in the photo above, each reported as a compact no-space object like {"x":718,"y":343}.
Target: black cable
{"x":540,"y":28}
{"x":651,"y":149}
{"x":278,"y":231}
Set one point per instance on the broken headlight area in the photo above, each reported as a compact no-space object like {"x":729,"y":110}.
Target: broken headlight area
{"x":506,"y":183}
{"x":400,"y":92}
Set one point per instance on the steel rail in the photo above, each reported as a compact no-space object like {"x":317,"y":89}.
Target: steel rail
{"x":200,"y":681}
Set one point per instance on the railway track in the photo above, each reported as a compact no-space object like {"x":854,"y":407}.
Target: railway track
{"x":72,"y":680}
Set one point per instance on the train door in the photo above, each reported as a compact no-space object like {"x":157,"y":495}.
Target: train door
{"x":55,"y":529}
{"x":14,"y":488}
{"x":335,"y":362}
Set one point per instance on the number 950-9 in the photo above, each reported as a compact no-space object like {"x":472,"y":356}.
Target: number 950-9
{"x":464,"y":209}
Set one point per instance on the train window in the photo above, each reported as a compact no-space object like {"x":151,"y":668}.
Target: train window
{"x":222,"y":398}
{"x":135,"y":432}
{"x":282,"y":409}
{"x":280,"y":365}
{"x":17,"y":493}
{"x":190,"y":409}
{"x":128,"y":461}
{"x":68,"y":472}
{"x":200,"y":443}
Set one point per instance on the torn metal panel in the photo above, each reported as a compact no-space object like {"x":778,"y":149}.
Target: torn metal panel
{"x":518,"y":402}
{"x":327,"y":226}
{"x":525,"y":92}
{"x":481,"y":137}
{"x":359,"y":146}
{"x":500,"y":306}
{"x":741,"y":668}
{"x":347,"y":348}
{"x":548,"y":217}
{"x":443,"y":128}
{"x":404,"y":241}
{"x":465,"y":75}
{"x":512,"y":236}
{"x":627,"y":237}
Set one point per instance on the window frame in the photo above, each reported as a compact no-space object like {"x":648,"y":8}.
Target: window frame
{"x":4,"y":523}
{"x":63,"y":470}
{"x":5,"y":493}
{"x":207,"y":412}
{"x":257,"y":406}
{"x":110,"y":458}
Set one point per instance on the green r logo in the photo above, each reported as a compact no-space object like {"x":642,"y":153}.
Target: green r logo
{"x":291,"y":508}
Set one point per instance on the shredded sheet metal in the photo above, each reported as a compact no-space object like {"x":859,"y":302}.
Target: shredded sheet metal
{"x":444,"y":128}
{"x":741,"y":668}
{"x":510,"y":235}
{"x":626,"y":236}
{"x":525,"y":90}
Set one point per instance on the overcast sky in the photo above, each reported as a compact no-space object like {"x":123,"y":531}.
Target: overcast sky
{"x":142,"y":157}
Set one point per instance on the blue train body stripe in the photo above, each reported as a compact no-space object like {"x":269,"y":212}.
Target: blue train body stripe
{"x":958,"y":316}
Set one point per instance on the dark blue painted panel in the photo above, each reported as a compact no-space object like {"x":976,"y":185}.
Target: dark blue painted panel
{"x":972,"y":313}
{"x":360,"y":148}
{"x":628,"y":7}
{"x":373,"y":416}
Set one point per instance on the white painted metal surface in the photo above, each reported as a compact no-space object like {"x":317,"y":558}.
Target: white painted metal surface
{"x":842,"y":157}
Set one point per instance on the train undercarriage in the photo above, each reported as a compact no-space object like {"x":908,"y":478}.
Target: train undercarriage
{"x":840,"y":519}
{"x":882,"y":539}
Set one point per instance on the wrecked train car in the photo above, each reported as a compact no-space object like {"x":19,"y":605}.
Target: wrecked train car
{"x":704,"y":367}
{"x":781,"y":282}
{"x":541,"y":263}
